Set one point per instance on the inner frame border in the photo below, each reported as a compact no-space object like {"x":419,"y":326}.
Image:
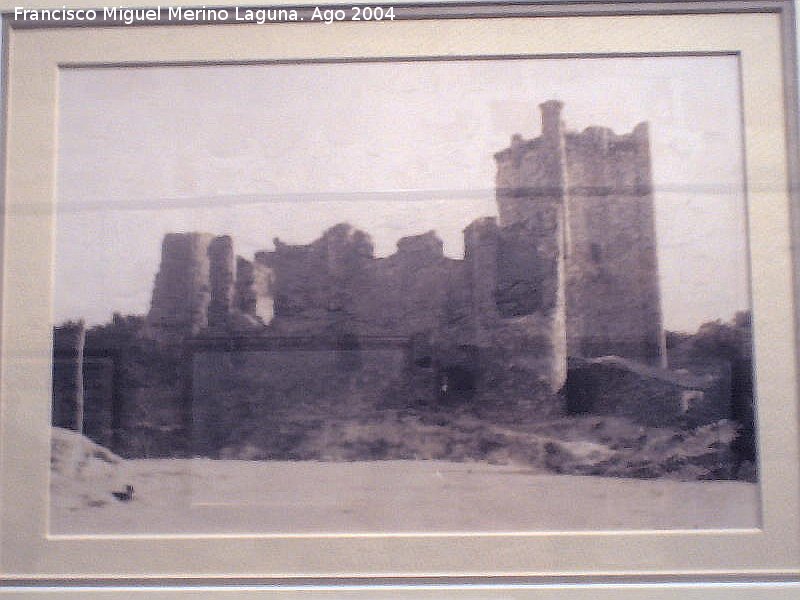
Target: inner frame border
{"x":790,"y":133}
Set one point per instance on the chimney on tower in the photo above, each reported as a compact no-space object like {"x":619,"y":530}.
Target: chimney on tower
{"x":552,"y":127}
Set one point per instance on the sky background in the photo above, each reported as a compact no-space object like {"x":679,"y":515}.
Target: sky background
{"x":395,"y":149}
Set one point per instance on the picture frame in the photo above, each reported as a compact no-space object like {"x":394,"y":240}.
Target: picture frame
{"x":632,"y":564}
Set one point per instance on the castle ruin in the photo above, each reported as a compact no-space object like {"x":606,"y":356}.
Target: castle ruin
{"x":568,"y":269}
{"x":568,"y":272}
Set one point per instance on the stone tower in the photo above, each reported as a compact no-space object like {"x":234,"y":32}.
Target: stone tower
{"x":602,"y":182}
{"x":194,"y":286}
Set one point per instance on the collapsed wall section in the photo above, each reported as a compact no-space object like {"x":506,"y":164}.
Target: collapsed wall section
{"x":254,"y":290}
{"x":194,"y":286}
{"x":649,"y":395}
{"x":335,"y":286}
{"x":313,"y":285}
{"x":518,"y":313}
{"x":181,"y":293}
{"x":406,"y":293}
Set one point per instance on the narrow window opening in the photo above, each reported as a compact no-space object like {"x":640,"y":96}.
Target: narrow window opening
{"x":597,"y":253}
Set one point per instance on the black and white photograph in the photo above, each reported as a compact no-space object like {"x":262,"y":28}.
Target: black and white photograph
{"x":398,"y":296}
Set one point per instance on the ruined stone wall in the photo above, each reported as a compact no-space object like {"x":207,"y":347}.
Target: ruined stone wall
{"x":254,"y":294}
{"x":613,"y":298}
{"x":182,"y":290}
{"x":481,"y":250}
{"x":495,"y":318}
{"x":84,"y":385}
{"x":68,"y":365}
{"x":221,"y":281}
{"x":336,"y":286}
{"x":194,"y":287}
{"x":516,"y":277}
{"x":98,"y":399}
{"x":263,"y":404}
{"x":649,"y":395}
{"x":314,"y":285}
{"x":407,"y":293}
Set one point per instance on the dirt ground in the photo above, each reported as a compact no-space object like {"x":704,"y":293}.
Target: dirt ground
{"x":290,"y":497}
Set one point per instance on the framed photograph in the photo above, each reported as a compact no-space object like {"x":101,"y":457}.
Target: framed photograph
{"x":445,"y":299}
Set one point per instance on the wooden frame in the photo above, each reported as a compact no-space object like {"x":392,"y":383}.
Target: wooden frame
{"x":759,"y":34}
